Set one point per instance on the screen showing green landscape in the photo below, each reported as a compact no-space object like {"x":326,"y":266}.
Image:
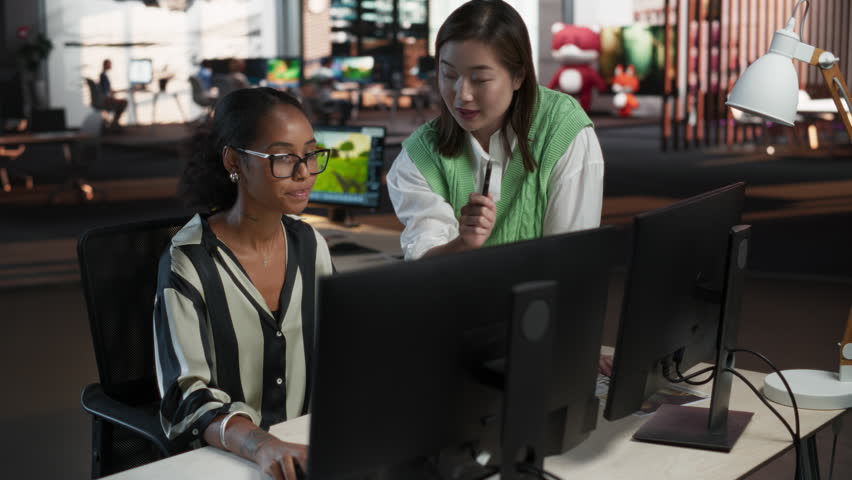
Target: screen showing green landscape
{"x":347,"y":166}
{"x":283,"y":72}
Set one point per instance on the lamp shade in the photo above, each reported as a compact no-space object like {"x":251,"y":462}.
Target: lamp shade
{"x":769,"y":88}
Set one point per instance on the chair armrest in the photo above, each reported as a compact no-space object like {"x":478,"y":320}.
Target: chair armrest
{"x":95,"y":401}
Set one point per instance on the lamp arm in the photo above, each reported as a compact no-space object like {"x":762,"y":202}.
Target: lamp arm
{"x":828,"y":64}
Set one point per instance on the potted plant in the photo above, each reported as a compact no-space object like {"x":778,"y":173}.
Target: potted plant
{"x":31,"y":54}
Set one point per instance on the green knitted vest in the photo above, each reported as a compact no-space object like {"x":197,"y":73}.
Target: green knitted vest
{"x":557,"y":118}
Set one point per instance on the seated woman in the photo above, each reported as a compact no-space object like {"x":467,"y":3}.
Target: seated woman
{"x":234,"y":310}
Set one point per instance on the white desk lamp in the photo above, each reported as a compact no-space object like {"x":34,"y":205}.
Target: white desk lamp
{"x":769,"y":88}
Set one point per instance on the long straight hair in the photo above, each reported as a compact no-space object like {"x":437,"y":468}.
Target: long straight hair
{"x":498,"y":25}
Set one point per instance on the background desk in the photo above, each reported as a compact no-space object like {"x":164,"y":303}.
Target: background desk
{"x":385,"y":241}
{"x":608,"y":454}
{"x":71,"y":142}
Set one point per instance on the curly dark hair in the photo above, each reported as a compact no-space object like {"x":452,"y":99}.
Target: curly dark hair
{"x":205,"y":184}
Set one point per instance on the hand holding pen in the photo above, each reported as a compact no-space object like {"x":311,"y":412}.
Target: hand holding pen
{"x":478,"y":216}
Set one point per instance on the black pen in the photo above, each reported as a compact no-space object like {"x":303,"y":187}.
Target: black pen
{"x":487,"y":183}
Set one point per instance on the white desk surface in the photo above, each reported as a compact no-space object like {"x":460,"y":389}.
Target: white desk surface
{"x":608,"y":454}
{"x":819,"y":105}
{"x":384,"y":240}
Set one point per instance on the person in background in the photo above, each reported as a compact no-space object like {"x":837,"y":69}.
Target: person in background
{"x":234,"y":312}
{"x":112,"y":103}
{"x":324,"y":86}
{"x":205,"y":75}
{"x":536,"y":148}
{"x":235,"y":79}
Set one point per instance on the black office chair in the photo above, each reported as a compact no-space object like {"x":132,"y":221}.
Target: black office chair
{"x":201,"y":97}
{"x":118,"y":267}
{"x":97,"y":100}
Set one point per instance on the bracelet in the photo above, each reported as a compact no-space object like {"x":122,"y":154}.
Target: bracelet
{"x":224,"y":425}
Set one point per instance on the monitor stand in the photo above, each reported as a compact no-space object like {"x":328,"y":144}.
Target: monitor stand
{"x":342,"y":216}
{"x":527,"y":378}
{"x":717,"y":427}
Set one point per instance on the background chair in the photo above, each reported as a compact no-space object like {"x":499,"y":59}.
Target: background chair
{"x":201,"y":97}
{"x":98,"y":101}
{"x":118,"y":268}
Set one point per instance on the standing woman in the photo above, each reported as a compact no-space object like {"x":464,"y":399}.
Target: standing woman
{"x":546,"y":164}
{"x":234,"y":311}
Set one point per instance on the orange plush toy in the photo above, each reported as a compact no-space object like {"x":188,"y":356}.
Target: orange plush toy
{"x":576,"y":49}
{"x":624,"y":84}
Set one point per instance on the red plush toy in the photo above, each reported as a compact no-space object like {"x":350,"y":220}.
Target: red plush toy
{"x":577,"y":49}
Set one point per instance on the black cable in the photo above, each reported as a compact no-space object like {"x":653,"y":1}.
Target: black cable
{"x":783,"y":380}
{"x":540,"y":472}
{"x":688,"y":379}
{"x":795,"y":435}
{"x":681,"y":379}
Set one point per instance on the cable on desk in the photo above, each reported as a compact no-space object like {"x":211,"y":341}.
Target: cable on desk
{"x":687,"y":379}
{"x":540,"y":472}
{"x":781,"y":376}
{"x":795,"y":435}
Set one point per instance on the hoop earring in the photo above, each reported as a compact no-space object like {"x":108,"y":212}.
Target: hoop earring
{"x":234,"y":177}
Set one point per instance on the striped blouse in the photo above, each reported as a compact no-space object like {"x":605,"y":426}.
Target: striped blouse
{"x":218,"y":347}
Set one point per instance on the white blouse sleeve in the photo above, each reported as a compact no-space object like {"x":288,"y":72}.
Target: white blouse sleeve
{"x":429,"y":219}
{"x":575,"y":196}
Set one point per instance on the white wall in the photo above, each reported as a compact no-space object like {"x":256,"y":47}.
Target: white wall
{"x":603,"y":12}
{"x":85,"y":32}
{"x":439,"y":10}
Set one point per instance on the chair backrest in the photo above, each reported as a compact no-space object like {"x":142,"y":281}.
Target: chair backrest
{"x":97,"y":96}
{"x":118,"y":267}
{"x":198,"y":95}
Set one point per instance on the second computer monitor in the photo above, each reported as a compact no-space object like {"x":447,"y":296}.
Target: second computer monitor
{"x":682,"y":286}
{"x":353,"y":175}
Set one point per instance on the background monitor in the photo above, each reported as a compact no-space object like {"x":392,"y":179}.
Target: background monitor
{"x":353,"y":175}
{"x":409,"y":355}
{"x":353,"y":69}
{"x":283,"y":72}
{"x":140,"y":71}
{"x":681,"y":299}
{"x":255,"y":70}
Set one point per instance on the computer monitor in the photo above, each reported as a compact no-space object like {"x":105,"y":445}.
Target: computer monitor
{"x":283,"y":72}
{"x":681,"y":306}
{"x":140,"y":71}
{"x":255,"y":71}
{"x":439,"y":356}
{"x":353,"y":176}
{"x":353,"y":69}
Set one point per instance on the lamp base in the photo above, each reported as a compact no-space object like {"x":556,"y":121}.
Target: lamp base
{"x":813,"y":389}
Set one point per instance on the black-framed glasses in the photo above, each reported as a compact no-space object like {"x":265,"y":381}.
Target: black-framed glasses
{"x":284,"y":165}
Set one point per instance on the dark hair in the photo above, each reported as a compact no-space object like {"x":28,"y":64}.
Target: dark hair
{"x":205,"y":183}
{"x":498,"y":25}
